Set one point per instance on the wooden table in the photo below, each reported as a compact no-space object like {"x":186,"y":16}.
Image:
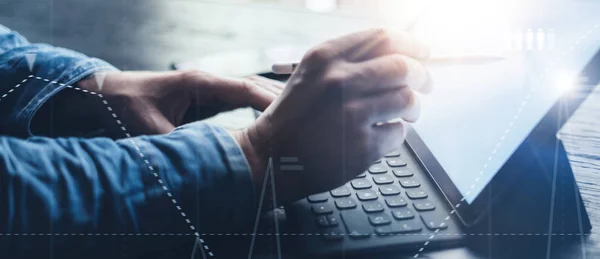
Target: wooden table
{"x":581,"y":137}
{"x":151,"y":34}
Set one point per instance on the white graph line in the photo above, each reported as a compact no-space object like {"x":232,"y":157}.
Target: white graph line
{"x":143,"y":157}
{"x":12,"y":89}
{"x":294,"y":234}
{"x":553,"y":195}
{"x":275,"y":217}
{"x":259,"y":209}
{"x":523,"y":104}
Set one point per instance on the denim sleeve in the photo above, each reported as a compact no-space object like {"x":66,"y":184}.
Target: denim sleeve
{"x":24,"y":89}
{"x":193,"y":180}
{"x":74,"y":195}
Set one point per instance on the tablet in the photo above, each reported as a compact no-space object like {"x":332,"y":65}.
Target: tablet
{"x":478,"y":117}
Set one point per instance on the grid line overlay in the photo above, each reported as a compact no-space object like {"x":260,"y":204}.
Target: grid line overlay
{"x":295,"y":234}
{"x":516,"y":117}
{"x":143,"y":157}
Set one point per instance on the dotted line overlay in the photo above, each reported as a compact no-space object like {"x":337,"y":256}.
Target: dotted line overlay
{"x":15,"y":87}
{"x":97,"y":234}
{"x":515,"y":118}
{"x":292,"y":234}
{"x":142,"y":156}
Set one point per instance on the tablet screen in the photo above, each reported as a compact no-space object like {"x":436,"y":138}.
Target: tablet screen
{"x":478,"y":115}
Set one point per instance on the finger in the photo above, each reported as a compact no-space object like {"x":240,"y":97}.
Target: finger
{"x":251,"y":94}
{"x":387,"y":138}
{"x":384,"y":42}
{"x":386,"y":73}
{"x":387,"y":106}
{"x":349,"y":42}
{"x":234,"y":92}
{"x":273,"y":86}
{"x":364,"y":45}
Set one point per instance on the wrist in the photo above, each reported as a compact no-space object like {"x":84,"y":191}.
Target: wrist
{"x":256,"y":154}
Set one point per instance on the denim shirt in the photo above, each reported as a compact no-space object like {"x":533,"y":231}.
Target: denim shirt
{"x":58,"y":193}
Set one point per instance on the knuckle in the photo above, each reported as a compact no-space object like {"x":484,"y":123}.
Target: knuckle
{"x":318,"y":54}
{"x":353,"y":108}
{"x":246,"y":86}
{"x":382,"y":33}
{"x":399,"y":64}
{"x":335,"y":79}
{"x":406,"y":97}
{"x":356,"y":114}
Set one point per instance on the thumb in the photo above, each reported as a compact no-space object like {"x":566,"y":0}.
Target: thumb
{"x":237,"y":93}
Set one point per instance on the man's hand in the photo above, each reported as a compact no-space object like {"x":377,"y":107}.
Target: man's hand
{"x":156,"y":102}
{"x":327,"y":113}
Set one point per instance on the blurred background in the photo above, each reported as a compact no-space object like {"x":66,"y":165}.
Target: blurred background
{"x":152,"y":34}
{"x":242,"y":37}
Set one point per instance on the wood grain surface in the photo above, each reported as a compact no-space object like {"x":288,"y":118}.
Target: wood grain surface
{"x":581,"y":137}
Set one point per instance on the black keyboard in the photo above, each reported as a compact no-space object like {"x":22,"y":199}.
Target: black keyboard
{"x":387,"y":179}
{"x":391,"y":199}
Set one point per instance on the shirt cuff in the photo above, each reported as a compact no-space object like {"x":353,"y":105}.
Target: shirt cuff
{"x":69,"y":77}
{"x":53,"y":69}
{"x":229,"y":180}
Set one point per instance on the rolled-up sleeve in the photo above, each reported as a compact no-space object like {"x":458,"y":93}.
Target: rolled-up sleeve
{"x":67,"y":195}
{"x":194,"y":180}
{"x":31,"y":74}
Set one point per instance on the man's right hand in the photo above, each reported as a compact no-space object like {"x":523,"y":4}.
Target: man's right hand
{"x":327,"y":112}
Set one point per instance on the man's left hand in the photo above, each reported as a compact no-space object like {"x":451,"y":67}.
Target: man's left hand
{"x":156,"y":102}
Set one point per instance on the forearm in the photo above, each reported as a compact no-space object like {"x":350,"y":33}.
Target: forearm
{"x":74,"y":186}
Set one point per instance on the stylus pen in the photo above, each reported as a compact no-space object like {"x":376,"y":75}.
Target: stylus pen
{"x":467,"y":59}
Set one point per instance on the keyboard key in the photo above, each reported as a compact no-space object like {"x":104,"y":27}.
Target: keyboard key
{"x":383,"y":179}
{"x":361,"y":184}
{"x":372,"y":206}
{"x":356,"y":223}
{"x":322,"y":221}
{"x":333,"y":234}
{"x":327,"y":221}
{"x":389,"y":190}
{"x":332,"y":220}
{"x":345,"y":203}
{"x":395,"y":153}
{"x":399,"y":227}
{"x":395,"y":162}
{"x":403,"y":213}
{"x":377,"y":169}
{"x":377,"y":162}
{"x":409,"y":183}
{"x":379,"y":219}
{"x":363,"y":175}
{"x":394,"y":202}
{"x":340,"y":192}
{"x":366,"y":195}
{"x":423,"y":205}
{"x":319,"y":197}
{"x":416,"y":194}
{"x":433,"y":221}
{"x":322,"y":208}
{"x":402,"y":172}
